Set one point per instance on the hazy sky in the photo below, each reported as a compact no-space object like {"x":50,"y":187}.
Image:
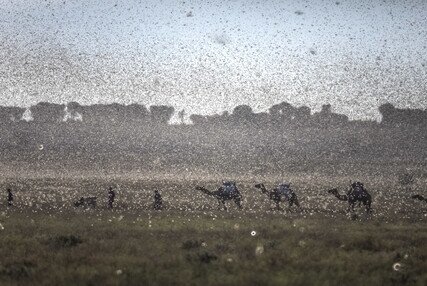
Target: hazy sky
{"x":208,"y":57}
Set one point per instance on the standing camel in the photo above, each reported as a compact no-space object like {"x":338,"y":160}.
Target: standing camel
{"x":282,"y":193}
{"x":357,"y":193}
{"x":228,"y":191}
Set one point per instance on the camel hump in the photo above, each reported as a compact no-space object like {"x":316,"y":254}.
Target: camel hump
{"x":285,"y":189}
{"x":358,"y":190}
{"x":229,"y":187}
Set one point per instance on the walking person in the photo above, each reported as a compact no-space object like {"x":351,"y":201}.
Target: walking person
{"x":111,"y":196}
{"x":9,"y":197}
{"x":158,"y":201}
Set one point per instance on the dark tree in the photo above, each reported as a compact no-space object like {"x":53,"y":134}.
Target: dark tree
{"x":392,"y":116}
{"x":303,"y":115}
{"x":283,"y":109}
{"x":243,"y":113}
{"x":45,"y":112}
{"x":10,"y":114}
{"x":326,"y":118}
{"x":114,"y":113}
{"x":136,"y":112}
{"x":326,"y":109}
{"x":388,"y":114}
{"x":161,"y":114}
{"x":198,"y":119}
{"x":75,"y":111}
{"x":282,"y":113}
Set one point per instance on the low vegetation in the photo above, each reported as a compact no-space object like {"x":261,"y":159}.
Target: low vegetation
{"x":49,"y":242}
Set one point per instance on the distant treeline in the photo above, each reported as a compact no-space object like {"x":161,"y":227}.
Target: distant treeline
{"x":114,"y":138}
{"x":279,"y":114}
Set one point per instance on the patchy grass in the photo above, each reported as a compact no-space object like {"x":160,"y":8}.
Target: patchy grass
{"x":214,"y":248}
{"x":44,"y":240}
{"x":64,"y":241}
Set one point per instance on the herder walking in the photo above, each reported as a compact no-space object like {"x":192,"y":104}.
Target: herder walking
{"x":111,"y":196}
{"x":158,"y":201}
{"x":9,"y":197}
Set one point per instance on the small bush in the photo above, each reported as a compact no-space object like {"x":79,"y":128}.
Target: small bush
{"x":204,"y":257}
{"x":64,"y":241}
{"x":402,"y":279}
{"x":17,"y":270}
{"x":222,"y":247}
{"x":272,"y":244}
{"x":365,"y":243}
{"x":191,"y":244}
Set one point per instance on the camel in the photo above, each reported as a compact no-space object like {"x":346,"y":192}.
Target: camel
{"x":86,"y":202}
{"x":419,"y":197}
{"x":357,"y":193}
{"x":223,"y":194}
{"x":277,"y":196}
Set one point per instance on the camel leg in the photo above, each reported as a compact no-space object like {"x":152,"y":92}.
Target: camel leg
{"x":351,"y":207}
{"x":295,"y":200}
{"x":237,"y":202}
{"x":290,"y":204}
{"x":225,"y":207}
{"x":219,"y":205}
{"x":368,"y":207}
{"x":297,"y":203}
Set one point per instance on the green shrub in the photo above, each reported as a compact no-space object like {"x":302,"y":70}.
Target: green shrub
{"x":191,"y":244}
{"x":17,"y":270}
{"x":203,"y":257}
{"x":64,"y":241}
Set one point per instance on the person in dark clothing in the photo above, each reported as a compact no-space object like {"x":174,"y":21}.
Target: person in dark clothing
{"x":111,"y":196}
{"x":158,"y":201}
{"x":9,"y":197}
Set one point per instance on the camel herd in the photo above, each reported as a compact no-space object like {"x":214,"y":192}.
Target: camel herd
{"x":228,"y":191}
{"x":283,"y":193}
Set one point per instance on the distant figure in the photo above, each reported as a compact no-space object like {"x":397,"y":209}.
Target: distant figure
{"x":158,"y":201}
{"x":181,"y":116}
{"x":9,"y":198}
{"x":111,"y":196}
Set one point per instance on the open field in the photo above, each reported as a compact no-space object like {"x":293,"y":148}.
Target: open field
{"x":44,"y":240}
